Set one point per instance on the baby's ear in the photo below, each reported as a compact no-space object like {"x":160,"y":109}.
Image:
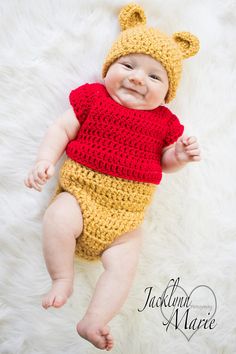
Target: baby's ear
{"x":187,"y":43}
{"x":131,"y":15}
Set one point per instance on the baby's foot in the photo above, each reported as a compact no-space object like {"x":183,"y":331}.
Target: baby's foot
{"x":59,"y":293}
{"x":98,"y":335}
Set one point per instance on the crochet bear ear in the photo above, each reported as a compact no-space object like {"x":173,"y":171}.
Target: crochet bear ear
{"x":187,"y":43}
{"x":131,"y":15}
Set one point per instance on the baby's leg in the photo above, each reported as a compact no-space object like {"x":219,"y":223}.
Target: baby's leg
{"x":120,"y":262}
{"x":62,"y":224}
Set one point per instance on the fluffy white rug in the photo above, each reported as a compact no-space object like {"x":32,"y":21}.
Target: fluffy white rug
{"x":48,"y":48}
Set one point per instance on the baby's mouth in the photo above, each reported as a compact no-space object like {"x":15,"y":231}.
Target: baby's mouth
{"x":134,"y":91}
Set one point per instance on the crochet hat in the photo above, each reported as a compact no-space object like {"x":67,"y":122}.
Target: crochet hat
{"x":136,"y":37}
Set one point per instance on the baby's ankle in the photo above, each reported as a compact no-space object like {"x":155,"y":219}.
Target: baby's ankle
{"x":92,"y":320}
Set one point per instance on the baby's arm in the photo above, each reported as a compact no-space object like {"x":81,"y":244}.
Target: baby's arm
{"x":177,"y":155}
{"x":51,"y":149}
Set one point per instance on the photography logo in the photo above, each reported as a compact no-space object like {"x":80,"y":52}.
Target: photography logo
{"x":187,"y":313}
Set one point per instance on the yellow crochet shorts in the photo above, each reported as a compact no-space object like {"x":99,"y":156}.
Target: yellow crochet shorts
{"x":110,"y":206}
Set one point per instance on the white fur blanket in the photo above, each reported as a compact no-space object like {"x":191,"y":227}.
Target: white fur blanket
{"x":49,"y":47}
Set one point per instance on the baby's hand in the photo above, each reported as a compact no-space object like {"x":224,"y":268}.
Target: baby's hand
{"x":40,"y":173}
{"x":187,"y":149}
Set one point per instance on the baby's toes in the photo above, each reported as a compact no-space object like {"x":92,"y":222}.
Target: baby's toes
{"x":45,"y":303}
{"x":59,"y":301}
{"x":109,"y":337}
{"x":110,"y":343}
{"x":48,"y":300}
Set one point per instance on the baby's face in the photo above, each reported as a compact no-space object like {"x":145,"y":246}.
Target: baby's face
{"x":137,"y":81}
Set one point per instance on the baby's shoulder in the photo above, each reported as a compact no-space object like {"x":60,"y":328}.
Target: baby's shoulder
{"x":92,"y":87}
{"x":165,"y":111}
{"x":89,"y":87}
{"x":85,"y":93}
{"x":167,"y":116}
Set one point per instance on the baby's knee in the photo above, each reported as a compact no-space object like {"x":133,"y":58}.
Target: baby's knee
{"x":64,"y":215}
{"x":125,"y":250}
{"x":131,"y":240}
{"x":52,"y":214}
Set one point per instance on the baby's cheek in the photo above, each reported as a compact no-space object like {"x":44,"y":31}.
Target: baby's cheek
{"x":155,"y":99}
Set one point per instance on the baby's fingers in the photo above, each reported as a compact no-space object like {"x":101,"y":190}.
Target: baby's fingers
{"x":192,"y":146}
{"x":41,"y":172}
{"x":50,"y":171}
{"x":191,"y":140}
{"x":26,"y":181}
{"x":196,"y":158}
{"x":194,"y":152}
{"x":33,"y":184}
{"x":37,"y":177}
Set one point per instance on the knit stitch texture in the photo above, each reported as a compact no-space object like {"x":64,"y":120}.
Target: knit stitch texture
{"x":111,"y":206}
{"x":117,"y":140}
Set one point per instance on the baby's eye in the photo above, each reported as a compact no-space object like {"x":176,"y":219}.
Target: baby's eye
{"x":127,"y":66}
{"x":155,"y":77}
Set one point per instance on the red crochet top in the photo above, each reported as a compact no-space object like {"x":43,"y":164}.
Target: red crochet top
{"x":117,"y":140}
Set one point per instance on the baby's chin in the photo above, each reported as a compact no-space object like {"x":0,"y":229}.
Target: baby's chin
{"x":129,"y":101}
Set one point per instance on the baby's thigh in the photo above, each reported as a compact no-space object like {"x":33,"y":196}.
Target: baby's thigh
{"x":65,"y":211}
{"x":124,"y":251}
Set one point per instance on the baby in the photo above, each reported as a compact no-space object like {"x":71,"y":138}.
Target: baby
{"x":118,"y":138}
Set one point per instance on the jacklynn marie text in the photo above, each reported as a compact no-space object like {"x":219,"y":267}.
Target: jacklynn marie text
{"x":176,"y":303}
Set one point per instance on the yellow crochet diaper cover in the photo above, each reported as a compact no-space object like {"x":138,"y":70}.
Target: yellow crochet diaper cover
{"x":111,"y":206}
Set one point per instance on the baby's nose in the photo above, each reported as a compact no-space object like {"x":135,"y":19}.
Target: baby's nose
{"x":137,"y":79}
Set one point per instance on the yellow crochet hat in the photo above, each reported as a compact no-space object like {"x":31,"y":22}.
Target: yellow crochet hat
{"x":136,"y":37}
